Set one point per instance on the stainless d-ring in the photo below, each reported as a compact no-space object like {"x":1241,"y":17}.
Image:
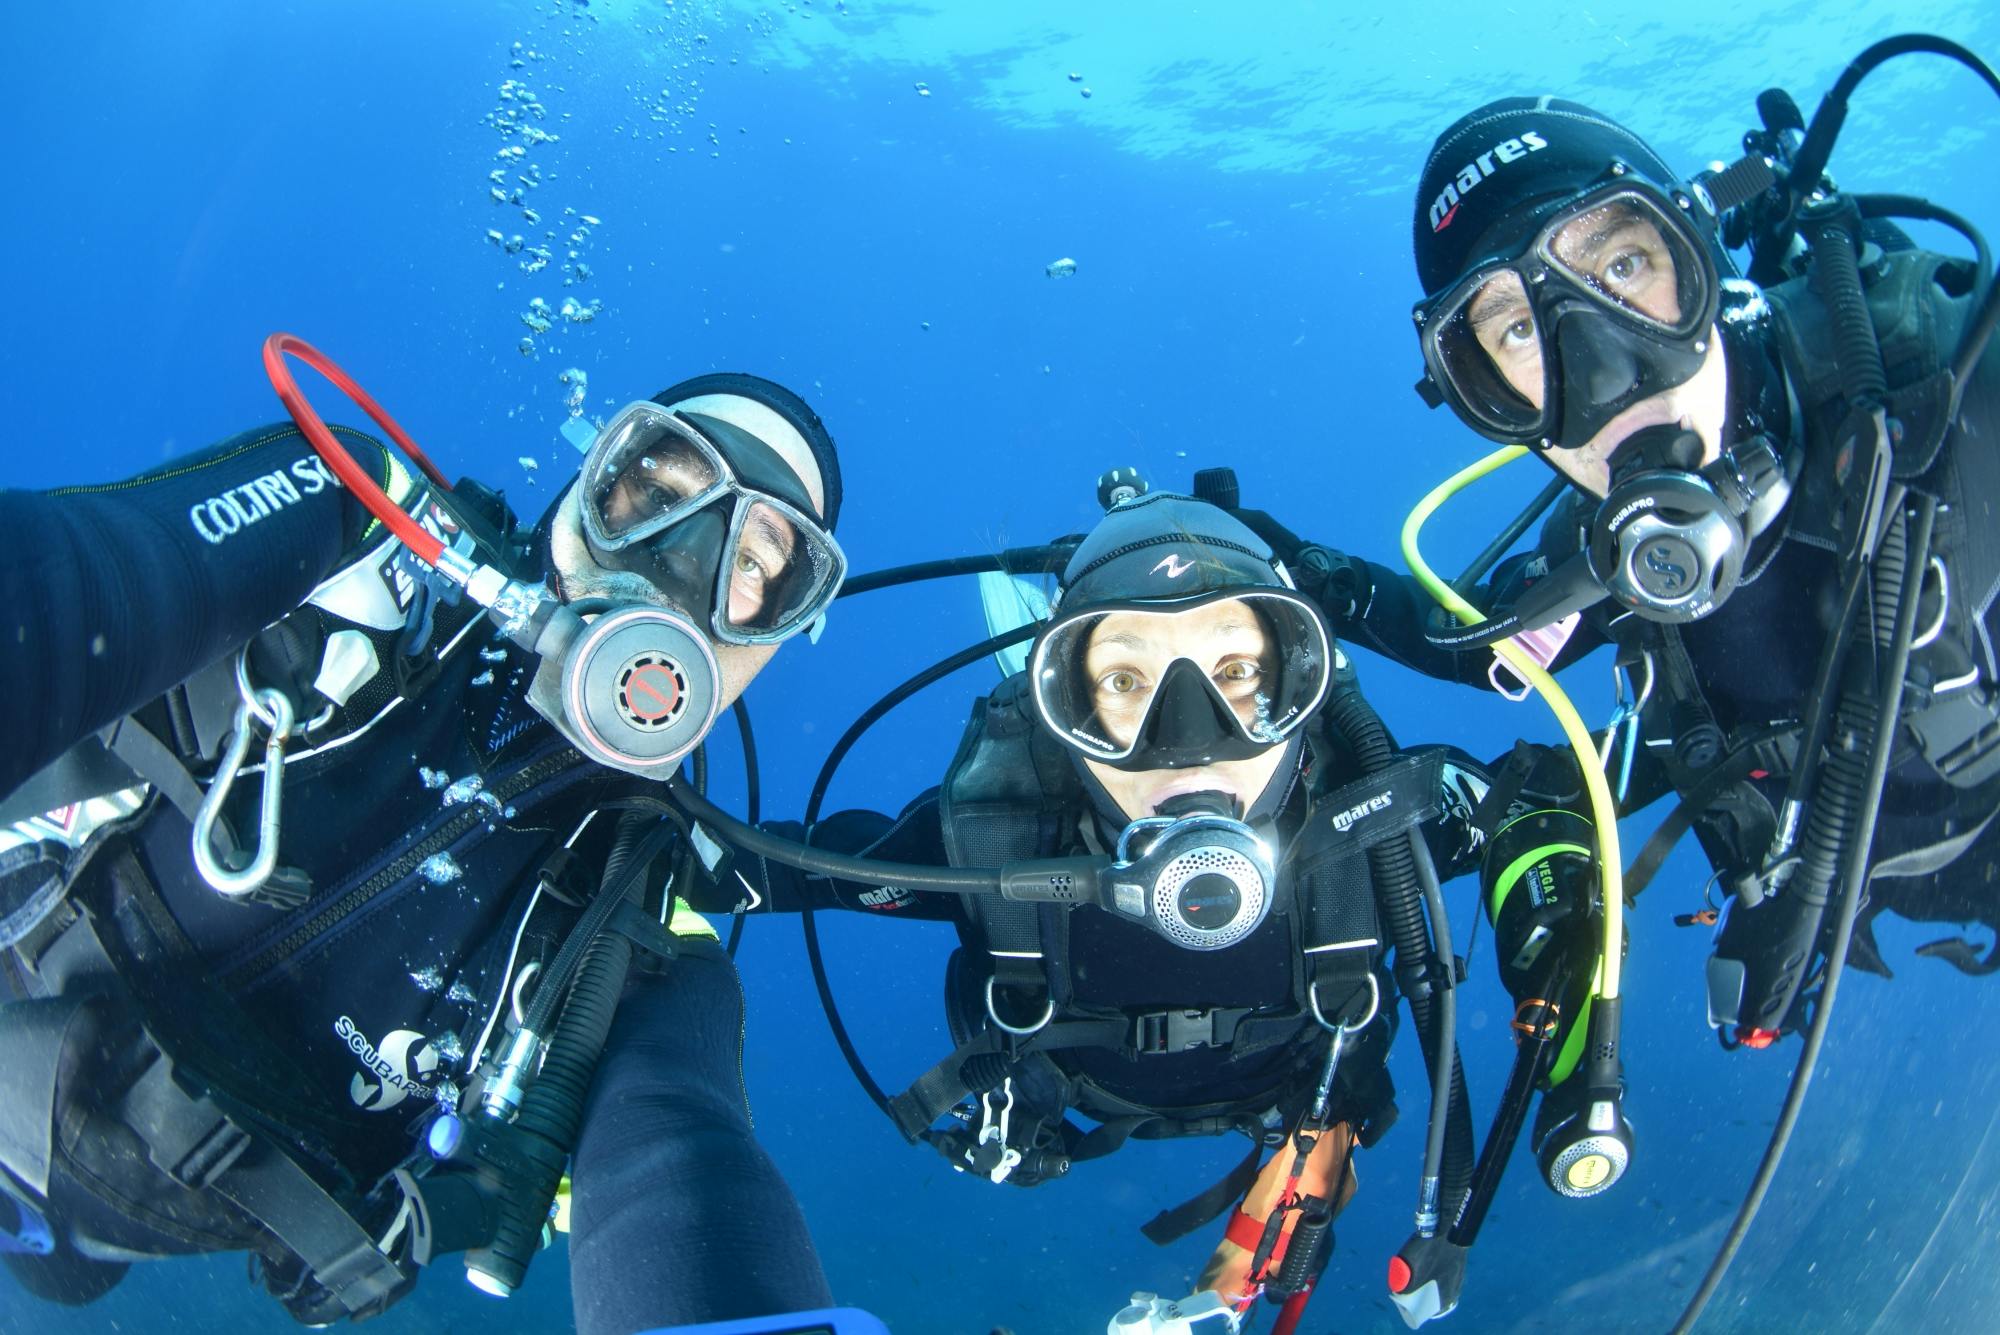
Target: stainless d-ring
{"x":1048,"y":1013}
{"x":261,"y":711}
{"x":1312,"y":996}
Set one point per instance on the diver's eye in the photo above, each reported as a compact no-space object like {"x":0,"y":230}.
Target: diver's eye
{"x":750,"y":568}
{"x":1119,"y":682}
{"x":1625,"y":269}
{"x":1518,"y":334}
{"x":1236,"y":675}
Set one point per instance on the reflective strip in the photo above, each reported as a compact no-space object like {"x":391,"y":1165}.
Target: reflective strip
{"x":686,"y":922}
{"x":559,"y":1207}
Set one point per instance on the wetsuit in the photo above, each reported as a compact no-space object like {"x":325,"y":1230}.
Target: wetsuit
{"x":1248,"y":1057}
{"x":1114,"y":964}
{"x":422,"y":826}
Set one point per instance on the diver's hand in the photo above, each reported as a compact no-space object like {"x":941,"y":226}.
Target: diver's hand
{"x":1339,"y":583}
{"x":1425,"y":1277}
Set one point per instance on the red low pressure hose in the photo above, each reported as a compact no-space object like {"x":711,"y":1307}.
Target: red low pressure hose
{"x":352,"y":476}
{"x":1291,"y":1313}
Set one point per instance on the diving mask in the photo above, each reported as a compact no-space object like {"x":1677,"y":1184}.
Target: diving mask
{"x":1611,"y":301}
{"x":714,"y":518}
{"x":1146,"y":685}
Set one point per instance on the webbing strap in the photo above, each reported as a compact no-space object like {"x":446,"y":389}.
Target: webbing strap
{"x":152,"y":760}
{"x":943,"y":1087}
{"x":1173,"y":1224}
{"x":343,"y":1258}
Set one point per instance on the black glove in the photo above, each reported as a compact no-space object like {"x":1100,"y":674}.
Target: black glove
{"x":1339,"y":583}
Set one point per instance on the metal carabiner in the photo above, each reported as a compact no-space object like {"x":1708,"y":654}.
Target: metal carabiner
{"x":1323,"y":1095}
{"x":238,"y":882}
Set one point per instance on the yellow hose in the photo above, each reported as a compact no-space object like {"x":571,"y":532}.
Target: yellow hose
{"x":1604,"y":812}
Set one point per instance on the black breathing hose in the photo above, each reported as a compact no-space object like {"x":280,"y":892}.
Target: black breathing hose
{"x":1838,"y":796}
{"x":620,"y":875}
{"x":1442,"y":1076}
{"x":1832,"y":111}
{"x":915,"y":876}
{"x":1399,"y":891}
{"x":1830,"y":233}
{"x":808,"y":923}
{"x":936,"y":672}
{"x":1046,"y":559}
{"x":552,"y":1108}
{"x":1915,"y":206}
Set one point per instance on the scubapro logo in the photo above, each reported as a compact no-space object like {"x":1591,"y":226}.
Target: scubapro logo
{"x":396,"y":1068}
{"x":1663,"y":565}
{"x":1445,"y":207}
{"x":1344,"y":821}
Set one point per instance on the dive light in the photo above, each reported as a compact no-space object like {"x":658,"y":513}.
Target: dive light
{"x":1539,"y":885}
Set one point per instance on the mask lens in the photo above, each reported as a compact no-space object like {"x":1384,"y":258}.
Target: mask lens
{"x":1108,"y":678}
{"x":1628,"y":255}
{"x":1484,"y":347}
{"x":643,"y":468}
{"x":781,"y":572}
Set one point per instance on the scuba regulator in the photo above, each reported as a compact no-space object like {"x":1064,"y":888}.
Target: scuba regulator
{"x":1667,"y":542}
{"x":1194,"y":874}
{"x":634,"y":689}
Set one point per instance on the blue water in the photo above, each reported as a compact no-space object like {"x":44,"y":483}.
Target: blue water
{"x":777,"y":195}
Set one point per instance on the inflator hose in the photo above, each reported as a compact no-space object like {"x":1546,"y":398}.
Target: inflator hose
{"x":1399,"y":890}
{"x":1836,"y":277}
{"x":621,"y":871}
{"x":1854,"y":881}
{"x":1840,"y":790}
{"x":552,"y":1109}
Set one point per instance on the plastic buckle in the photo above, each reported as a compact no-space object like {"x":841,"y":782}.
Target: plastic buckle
{"x":993,"y":1132}
{"x":1173,"y":1031}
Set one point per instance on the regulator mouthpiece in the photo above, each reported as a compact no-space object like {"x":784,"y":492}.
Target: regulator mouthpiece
{"x":1197,"y":876}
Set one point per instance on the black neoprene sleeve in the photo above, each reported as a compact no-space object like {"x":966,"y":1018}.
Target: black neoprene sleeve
{"x":110,"y":594}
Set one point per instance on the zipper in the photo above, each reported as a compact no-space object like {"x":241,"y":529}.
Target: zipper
{"x":742,"y":1031}
{"x":441,"y":838}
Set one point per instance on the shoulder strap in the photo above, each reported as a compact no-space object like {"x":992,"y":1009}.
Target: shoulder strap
{"x":1004,"y":799}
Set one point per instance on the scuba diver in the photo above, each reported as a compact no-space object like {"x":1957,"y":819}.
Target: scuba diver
{"x":340,"y":921}
{"x":1214,"y":874}
{"x":1727,"y":522}
{"x":1772,"y":500}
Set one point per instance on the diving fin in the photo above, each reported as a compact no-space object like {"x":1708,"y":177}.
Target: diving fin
{"x":1010,"y":602}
